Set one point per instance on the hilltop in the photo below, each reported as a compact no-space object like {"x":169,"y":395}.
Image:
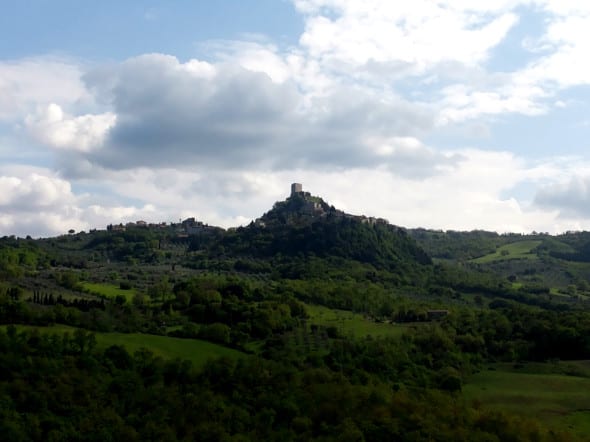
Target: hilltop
{"x":305,"y":225}
{"x":301,"y":208}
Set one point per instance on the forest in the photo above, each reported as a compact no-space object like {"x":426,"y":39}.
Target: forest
{"x":304,"y":325}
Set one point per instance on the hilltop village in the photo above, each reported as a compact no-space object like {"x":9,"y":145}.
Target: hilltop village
{"x":300,"y":205}
{"x":185,"y":228}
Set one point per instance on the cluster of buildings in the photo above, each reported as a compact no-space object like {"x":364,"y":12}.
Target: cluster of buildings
{"x":136,"y":224}
{"x":189,"y":226}
{"x":313,"y":207}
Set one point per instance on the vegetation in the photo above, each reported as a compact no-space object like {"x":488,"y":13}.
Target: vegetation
{"x":196,"y":351}
{"x":348,"y":323}
{"x":558,"y":399}
{"x":515,"y":250}
{"x":308,"y":324}
{"x":109,"y":290}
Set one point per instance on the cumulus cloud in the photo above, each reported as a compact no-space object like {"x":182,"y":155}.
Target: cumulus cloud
{"x":472,"y":196}
{"x":476,"y":194}
{"x":84,"y":133}
{"x":254,"y":56}
{"x":36,"y":204}
{"x":461,"y":102}
{"x":447,"y":44}
{"x":408,"y":157}
{"x":26,"y":83}
{"x":571,"y":198}
{"x":311,"y":106}
{"x":33,"y":192}
{"x":420,"y":32}
{"x":170,"y":113}
{"x":35,"y":201}
{"x":353,"y":110}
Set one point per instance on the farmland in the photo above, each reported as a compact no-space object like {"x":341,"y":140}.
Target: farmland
{"x":194,"y":350}
{"x":515,"y":250}
{"x":352,"y":324}
{"x":108,"y":290}
{"x":560,"y":401}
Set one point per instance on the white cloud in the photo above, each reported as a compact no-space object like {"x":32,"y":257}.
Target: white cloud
{"x":565,"y":7}
{"x":470,"y":197}
{"x":461,"y":102}
{"x":423,"y":33}
{"x":253,"y":56}
{"x":562,"y":60}
{"x":410,"y":47}
{"x":381,"y":42}
{"x":33,"y":192}
{"x":569,"y":194}
{"x":29,"y":82}
{"x":352,"y":111}
{"x":36,"y":202}
{"x":52,"y":126}
{"x":173,"y":114}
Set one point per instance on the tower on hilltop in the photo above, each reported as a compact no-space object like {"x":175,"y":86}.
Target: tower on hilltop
{"x":296,"y":188}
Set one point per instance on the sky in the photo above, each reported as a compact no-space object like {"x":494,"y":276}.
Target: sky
{"x":452,"y":115}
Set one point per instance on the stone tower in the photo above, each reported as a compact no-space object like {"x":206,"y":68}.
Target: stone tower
{"x":296,"y":188}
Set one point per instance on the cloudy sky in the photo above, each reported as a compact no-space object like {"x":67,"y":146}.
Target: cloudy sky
{"x":457,"y":114}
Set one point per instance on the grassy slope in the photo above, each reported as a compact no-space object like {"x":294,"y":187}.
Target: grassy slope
{"x":561,"y":401}
{"x":515,"y":250}
{"x":349,"y":323}
{"x":108,"y":290}
{"x":194,"y":350}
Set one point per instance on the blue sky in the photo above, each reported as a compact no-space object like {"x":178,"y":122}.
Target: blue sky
{"x":116,"y":30}
{"x":442,"y":114}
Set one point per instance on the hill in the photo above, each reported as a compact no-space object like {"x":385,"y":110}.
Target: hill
{"x":555,"y":265}
{"x":356,"y":329}
{"x":304,"y":225}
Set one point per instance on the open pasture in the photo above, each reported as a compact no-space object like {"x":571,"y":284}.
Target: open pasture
{"x":350,"y":323}
{"x":108,"y":290}
{"x":560,"y":401}
{"x":515,"y":250}
{"x":194,"y":350}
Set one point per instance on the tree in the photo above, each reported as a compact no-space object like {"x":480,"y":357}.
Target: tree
{"x":160,"y":290}
{"x":139,"y":300}
{"x":215,"y":332}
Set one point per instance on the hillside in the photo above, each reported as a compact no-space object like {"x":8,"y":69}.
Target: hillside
{"x":320,"y":325}
{"x":556,"y":265}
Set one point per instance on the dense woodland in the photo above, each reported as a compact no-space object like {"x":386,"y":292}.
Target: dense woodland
{"x":461,"y":300}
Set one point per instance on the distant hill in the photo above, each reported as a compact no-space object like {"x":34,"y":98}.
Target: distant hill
{"x":307,"y":225}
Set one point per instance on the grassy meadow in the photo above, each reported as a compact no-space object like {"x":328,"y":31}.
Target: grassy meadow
{"x":515,"y":250}
{"x":194,"y":350}
{"x":349,"y":323}
{"x":560,"y":401}
{"x":108,"y":290}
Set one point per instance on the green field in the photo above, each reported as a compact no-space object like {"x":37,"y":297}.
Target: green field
{"x":108,"y":290}
{"x":561,"y":402}
{"x":515,"y":250}
{"x":194,"y":350}
{"x":349,"y":323}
